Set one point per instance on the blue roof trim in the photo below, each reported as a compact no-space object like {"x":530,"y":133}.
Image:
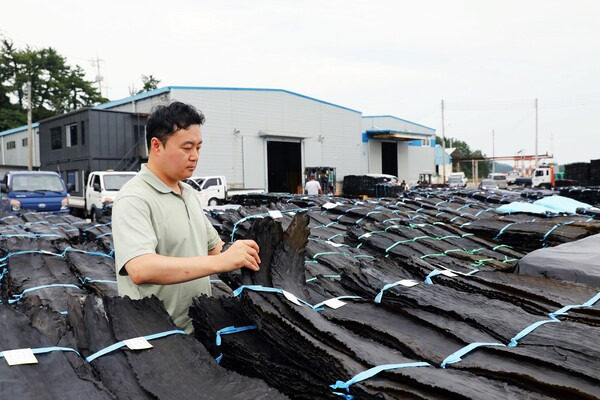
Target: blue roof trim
{"x":169,"y":88}
{"x":19,"y":129}
{"x":394,"y":131}
{"x":399,"y":119}
{"x":126,"y":100}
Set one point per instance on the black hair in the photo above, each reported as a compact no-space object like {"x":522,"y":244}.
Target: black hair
{"x":166,"y":120}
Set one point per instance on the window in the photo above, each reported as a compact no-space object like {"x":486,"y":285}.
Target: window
{"x":71,"y":135}
{"x":56,"y":141}
{"x":11,"y":145}
{"x":82,"y":132}
{"x":24,"y":142}
{"x":96,"y":181}
{"x":212,"y":182}
{"x":72,"y":178}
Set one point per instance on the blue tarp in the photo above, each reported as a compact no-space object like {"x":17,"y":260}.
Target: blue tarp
{"x":551,"y":204}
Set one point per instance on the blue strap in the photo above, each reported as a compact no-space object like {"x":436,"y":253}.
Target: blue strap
{"x":18,"y":253}
{"x":503,"y":229}
{"x":515,"y":340}
{"x":18,"y":297}
{"x":232,"y":329}
{"x":120,"y":344}
{"x":96,"y":226}
{"x":433,"y":273}
{"x":104,"y":234}
{"x":555,"y":227}
{"x":90,"y":280}
{"x":457,"y":355}
{"x":566,"y":309}
{"x":374,"y":371}
{"x":386,"y":287}
{"x":243,"y":220}
{"x":93,"y":253}
{"x":43,"y":350}
{"x":259,"y":288}
{"x":321,"y":304}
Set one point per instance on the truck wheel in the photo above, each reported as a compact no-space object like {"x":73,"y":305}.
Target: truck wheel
{"x":95,"y":214}
{"x":213,"y":202}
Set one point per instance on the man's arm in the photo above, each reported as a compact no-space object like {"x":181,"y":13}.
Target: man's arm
{"x":163,"y":270}
{"x":217,"y":249}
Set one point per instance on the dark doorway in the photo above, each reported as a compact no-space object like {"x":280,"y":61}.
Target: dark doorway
{"x":284,"y":167}
{"x":389,"y":158}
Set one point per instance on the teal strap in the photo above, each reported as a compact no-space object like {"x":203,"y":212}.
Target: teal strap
{"x":120,"y":344}
{"x":457,"y":355}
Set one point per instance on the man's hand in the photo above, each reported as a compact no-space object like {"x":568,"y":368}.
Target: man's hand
{"x":242,"y":253}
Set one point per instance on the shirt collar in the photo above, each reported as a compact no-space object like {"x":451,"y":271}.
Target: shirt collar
{"x":152,"y":180}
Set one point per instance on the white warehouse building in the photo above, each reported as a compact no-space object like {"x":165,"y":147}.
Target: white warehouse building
{"x":267,"y":138}
{"x":399,"y":147}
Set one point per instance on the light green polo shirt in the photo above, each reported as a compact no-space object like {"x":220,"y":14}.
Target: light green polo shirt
{"x":150,"y":218}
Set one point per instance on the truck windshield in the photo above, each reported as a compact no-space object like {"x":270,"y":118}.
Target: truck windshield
{"x":455,"y":179}
{"x":116,"y":182}
{"x":539,"y":172}
{"x":37,"y":183}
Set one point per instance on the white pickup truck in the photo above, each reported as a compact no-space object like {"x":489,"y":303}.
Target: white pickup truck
{"x":102,"y":187}
{"x":214,"y":189}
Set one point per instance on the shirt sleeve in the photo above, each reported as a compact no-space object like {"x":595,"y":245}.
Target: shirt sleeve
{"x":212,"y":236}
{"x":133,"y":232}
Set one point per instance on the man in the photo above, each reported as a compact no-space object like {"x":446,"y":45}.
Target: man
{"x":324,"y":181}
{"x":164,"y":244}
{"x":312,"y":187}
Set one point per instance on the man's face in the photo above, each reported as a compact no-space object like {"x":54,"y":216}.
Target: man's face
{"x":179,"y":156}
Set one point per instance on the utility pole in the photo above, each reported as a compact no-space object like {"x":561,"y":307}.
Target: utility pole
{"x":99,"y":78}
{"x":536,"y":133}
{"x":493,"y":152}
{"x":29,"y":128}
{"x":443,"y":146}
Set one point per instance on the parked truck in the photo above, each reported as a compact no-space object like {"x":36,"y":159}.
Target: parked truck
{"x":42,"y":191}
{"x":101,"y":188}
{"x":214,"y":189}
{"x":543,"y":177}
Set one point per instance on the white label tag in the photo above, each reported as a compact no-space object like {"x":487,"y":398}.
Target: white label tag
{"x":367,"y":235}
{"x":291,"y":214}
{"x":360,"y":203}
{"x":20,"y":357}
{"x":138,"y":343}
{"x":334,"y":244}
{"x":329,"y":206}
{"x":334,"y":303}
{"x":407,"y":282}
{"x":291,"y":298}
{"x":275,"y":214}
{"x":448,"y":273}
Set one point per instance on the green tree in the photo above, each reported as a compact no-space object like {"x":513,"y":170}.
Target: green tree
{"x":149,"y":82}
{"x":464,"y":152}
{"x":56,"y":87}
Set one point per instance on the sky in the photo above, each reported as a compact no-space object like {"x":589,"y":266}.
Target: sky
{"x":487,"y":60}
